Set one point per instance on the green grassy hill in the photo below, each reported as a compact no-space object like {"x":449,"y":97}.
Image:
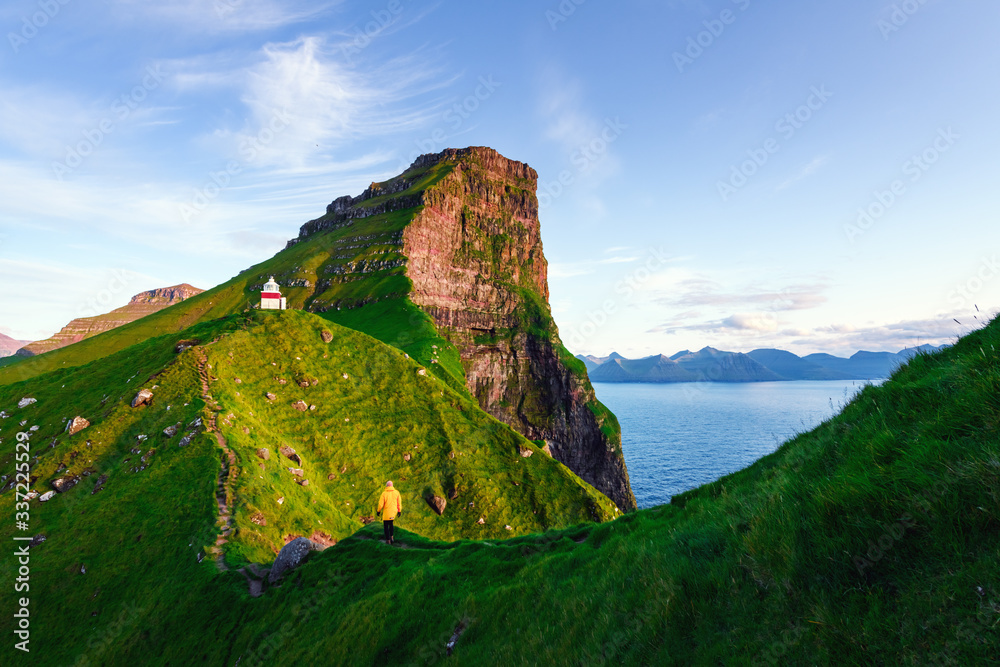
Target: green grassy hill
{"x":872,"y":540}
{"x":328,"y":271}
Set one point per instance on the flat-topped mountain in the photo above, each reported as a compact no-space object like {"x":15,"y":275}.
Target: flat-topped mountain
{"x":445,"y":263}
{"x":139,"y":306}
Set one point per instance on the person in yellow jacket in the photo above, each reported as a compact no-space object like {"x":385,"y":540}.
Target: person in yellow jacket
{"x":390,"y":505}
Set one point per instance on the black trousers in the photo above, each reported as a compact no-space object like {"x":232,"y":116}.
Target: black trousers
{"x":387,"y":529}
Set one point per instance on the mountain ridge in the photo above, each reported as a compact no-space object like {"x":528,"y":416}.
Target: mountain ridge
{"x":761,"y":365}
{"x":140,"y":305}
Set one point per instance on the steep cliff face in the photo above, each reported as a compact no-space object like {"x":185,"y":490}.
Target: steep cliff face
{"x":473,"y":255}
{"x":140,"y":305}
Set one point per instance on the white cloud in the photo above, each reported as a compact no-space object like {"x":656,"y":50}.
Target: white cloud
{"x":751,"y":322}
{"x":220,"y":15}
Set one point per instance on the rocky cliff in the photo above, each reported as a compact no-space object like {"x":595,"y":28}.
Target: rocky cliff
{"x":473,"y":256}
{"x":142,"y":304}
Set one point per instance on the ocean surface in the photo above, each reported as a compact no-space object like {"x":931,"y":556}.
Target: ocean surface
{"x":679,"y":436}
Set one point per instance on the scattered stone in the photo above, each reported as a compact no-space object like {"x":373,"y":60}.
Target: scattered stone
{"x":281,"y":500}
{"x":290,"y":454}
{"x":312,"y":407}
{"x":453,"y":494}
{"x":148,"y":455}
{"x":302,"y":482}
{"x":300,"y":405}
{"x":343,"y":470}
{"x":459,"y":629}
{"x":269,"y":396}
{"x":237,"y":381}
{"x":508,"y":528}
{"x":144,"y":397}
{"x":35,"y":428}
{"x":3,"y":414}
{"x":345,"y":376}
{"x":26,"y":401}
{"x":438,"y":504}
{"x":547,"y":449}
{"x":76,"y":424}
{"x":36,"y":540}
{"x":31,"y":494}
{"x":171,"y":431}
{"x":140,"y":438}
{"x":303,"y":383}
{"x":246,"y":430}
{"x":183,"y":345}
{"x":331,"y":477}
{"x":196,"y":423}
{"x":481,"y":521}
{"x":185,"y":441}
{"x":258,"y":519}
{"x":365,"y":520}
{"x":290,"y":557}
{"x":280,"y":380}
{"x":298,"y":472}
{"x":64,"y":484}
{"x":406,"y":457}
{"x":264,"y":454}
{"x":525,"y":452}
{"x":422,"y":372}
{"x":451,"y":455}
{"x":45,"y":497}
{"x":322,"y":540}
{"x":326,"y":336}
{"x":99,"y":485}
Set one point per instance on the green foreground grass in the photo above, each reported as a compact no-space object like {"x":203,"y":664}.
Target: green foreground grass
{"x":873,"y":539}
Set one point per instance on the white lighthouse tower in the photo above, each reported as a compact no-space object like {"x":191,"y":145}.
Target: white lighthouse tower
{"x":270,"y":296}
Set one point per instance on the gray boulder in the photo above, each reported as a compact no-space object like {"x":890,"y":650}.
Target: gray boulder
{"x":144,"y":397}
{"x":64,"y":484}
{"x":76,"y":424}
{"x":290,"y":557}
{"x":438,"y":504}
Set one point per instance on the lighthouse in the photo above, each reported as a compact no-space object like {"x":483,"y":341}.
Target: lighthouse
{"x":270,"y":296}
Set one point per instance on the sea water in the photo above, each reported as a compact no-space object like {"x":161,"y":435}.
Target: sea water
{"x":681,"y":435}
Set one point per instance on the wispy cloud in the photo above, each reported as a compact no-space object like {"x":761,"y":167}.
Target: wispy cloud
{"x":221,"y":15}
{"x":700,"y":291}
{"x":303,"y":103}
{"x":808,"y":170}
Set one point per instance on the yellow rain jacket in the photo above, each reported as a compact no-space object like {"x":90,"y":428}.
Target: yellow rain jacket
{"x":390,"y":504}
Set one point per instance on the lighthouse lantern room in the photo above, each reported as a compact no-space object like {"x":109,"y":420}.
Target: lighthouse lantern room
{"x":270,"y":296}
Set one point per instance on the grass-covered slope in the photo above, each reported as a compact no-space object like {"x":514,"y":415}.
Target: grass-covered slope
{"x":372,"y":414}
{"x":872,"y":540}
{"x":126,"y":545}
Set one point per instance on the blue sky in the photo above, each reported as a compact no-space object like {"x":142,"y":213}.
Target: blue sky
{"x":814,"y":176}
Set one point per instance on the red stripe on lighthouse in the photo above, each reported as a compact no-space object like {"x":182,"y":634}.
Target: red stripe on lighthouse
{"x":270,"y":295}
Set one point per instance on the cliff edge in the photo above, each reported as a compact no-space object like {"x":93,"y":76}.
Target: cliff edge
{"x":473,"y":255}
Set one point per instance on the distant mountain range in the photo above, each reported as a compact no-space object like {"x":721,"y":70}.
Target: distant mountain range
{"x":766,"y":365}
